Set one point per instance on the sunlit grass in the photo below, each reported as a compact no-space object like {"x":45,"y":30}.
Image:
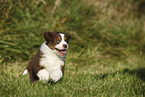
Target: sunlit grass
{"x":115,"y":79}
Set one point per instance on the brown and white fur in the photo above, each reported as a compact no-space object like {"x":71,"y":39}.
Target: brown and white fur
{"x":48,"y":63}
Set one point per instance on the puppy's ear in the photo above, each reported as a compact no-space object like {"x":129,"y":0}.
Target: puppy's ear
{"x":48,"y":36}
{"x":67,"y":37}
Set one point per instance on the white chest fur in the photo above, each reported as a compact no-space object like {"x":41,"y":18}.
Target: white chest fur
{"x":50,"y":60}
{"x":52,"y":64}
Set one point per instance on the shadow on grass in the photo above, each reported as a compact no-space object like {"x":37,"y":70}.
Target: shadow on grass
{"x":140,"y":73}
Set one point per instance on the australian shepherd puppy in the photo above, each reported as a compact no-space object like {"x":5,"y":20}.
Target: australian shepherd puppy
{"x":49,"y":62}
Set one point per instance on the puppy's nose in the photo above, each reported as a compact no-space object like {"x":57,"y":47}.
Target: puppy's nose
{"x":64,"y":45}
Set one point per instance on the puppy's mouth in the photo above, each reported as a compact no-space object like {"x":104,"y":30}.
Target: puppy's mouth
{"x":61,"y":52}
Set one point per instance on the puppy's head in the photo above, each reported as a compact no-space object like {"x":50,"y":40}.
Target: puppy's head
{"x":57,"y":41}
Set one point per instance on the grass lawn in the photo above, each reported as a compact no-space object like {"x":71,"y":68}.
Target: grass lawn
{"x":107,"y":48}
{"x":114,"y":79}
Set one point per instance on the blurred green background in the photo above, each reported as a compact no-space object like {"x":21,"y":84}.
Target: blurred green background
{"x":117,"y":28}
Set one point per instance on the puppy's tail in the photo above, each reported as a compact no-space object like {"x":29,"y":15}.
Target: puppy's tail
{"x":25,"y":72}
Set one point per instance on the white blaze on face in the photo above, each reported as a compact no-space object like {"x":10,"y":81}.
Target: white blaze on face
{"x":63,"y":42}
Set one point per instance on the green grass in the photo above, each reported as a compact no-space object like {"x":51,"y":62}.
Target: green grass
{"x":92,"y":80}
{"x":106,"y":55}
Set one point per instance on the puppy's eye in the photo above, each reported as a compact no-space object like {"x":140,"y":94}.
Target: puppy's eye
{"x":57,"y":41}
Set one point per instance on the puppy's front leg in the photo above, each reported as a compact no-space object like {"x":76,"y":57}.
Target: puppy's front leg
{"x":43,"y":75}
{"x":56,"y":75}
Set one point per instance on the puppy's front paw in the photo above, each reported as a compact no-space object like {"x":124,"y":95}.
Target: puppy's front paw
{"x":56,"y":75}
{"x":43,"y":75}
